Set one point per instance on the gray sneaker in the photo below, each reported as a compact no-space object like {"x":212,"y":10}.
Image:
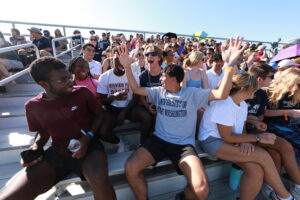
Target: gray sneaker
{"x":266,"y":191}
{"x":273,"y":196}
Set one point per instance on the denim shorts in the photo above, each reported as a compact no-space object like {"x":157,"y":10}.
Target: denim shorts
{"x":211,"y":145}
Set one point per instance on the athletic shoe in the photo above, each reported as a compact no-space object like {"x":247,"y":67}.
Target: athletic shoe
{"x":273,"y":196}
{"x":266,"y":191}
{"x":295,"y":193}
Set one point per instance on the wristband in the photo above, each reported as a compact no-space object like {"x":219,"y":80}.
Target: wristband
{"x":285,"y":115}
{"x":232,"y":64}
{"x":228,"y":68}
{"x":91,"y":134}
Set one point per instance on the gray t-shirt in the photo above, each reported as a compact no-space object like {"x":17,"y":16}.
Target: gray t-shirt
{"x":177,"y":113}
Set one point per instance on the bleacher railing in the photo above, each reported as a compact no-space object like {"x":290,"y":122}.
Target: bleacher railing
{"x":21,"y":73}
{"x":71,"y":49}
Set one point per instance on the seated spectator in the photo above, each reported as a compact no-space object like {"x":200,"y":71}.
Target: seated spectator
{"x":261,"y":53}
{"x":40,"y":41}
{"x":82,"y":76}
{"x":62,"y":44}
{"x":283,"y":108}
{"x":284,"y":65}
{"x":98,"y":51}
{"x":77,"y":39}
{"x":174,"y":135}
{"x":108,"y":62}
{"x":209,"y":53}
{"x":168,"y":58}
{"x":138,"y":66}
{"x":201,"y":47}
{"x":88,"y":50}
{"x":8,"y":60}
{"x":49,"y":37}
{"x":180,"y":43}
{"x":222,"y":134}
{"x":119,"y":102}
{"x":61,"y":112}
{"x":187,"y":50}
{"x":216,"y":73}
{"x":281,"y":151}
{"x":195,"y":75}
{"x":104,"y":43}
{"x":15,"y":37}
{"x":249,"y":59}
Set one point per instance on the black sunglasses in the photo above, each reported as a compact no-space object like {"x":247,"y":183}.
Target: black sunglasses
{"x":93,"y":39}
{"x":151,"y":53}
{"x":271,"y":77}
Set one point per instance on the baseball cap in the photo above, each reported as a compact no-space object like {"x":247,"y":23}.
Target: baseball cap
{"x":286,"y":63}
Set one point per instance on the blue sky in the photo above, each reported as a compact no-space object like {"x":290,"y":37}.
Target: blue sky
{"x":255,"y":20}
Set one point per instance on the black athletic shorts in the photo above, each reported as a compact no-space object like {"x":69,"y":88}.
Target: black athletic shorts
{"x":64,"y":165}
{"x":160,"y":149}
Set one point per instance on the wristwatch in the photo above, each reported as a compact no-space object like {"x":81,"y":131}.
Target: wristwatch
{"x":257,"y":139}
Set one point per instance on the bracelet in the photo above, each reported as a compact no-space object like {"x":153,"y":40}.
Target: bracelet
{"x":228,"y":68}
{"x":285,"y":115}
{"x":232,"y":64}
{"x":91,"y":134}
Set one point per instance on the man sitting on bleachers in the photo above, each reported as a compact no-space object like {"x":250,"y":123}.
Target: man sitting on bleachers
{"x":61,"y":112}
{"x":40,"y":41}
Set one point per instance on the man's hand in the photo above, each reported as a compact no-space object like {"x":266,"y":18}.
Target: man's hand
{"x":152,"y":109}
{"x":124,"y":57}
{"x":121,"y":95}
{"x":84,"y":143}
{"x":234,"y":51}
{"x":36,"y":161}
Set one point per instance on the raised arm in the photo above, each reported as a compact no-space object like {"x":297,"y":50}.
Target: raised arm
{"x":229,"y":57}
{"x":126,"y":61}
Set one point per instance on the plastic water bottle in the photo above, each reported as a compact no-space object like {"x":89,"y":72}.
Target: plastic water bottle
{"x":74,"y":145}
{"x":235,"y":176}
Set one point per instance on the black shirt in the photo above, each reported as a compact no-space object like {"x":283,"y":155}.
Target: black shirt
{"x":42,"y":43}
{"x":284,"y":104}
{"x":257,"y":105}
{"x":146,"y":80}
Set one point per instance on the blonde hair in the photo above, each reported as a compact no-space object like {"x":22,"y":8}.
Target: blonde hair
{"x":286,"y":83}
{"x":244,"y":80}
{"x":156,"y":49}
{"x":194,"y":58}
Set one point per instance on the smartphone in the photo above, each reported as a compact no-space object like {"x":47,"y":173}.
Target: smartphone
{"x":30,"y":155}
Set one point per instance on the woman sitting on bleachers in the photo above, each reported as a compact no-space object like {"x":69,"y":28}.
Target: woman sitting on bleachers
{"x":223,"y":134}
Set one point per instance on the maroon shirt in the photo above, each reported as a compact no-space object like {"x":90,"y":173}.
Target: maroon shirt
{"x":62,"y":118}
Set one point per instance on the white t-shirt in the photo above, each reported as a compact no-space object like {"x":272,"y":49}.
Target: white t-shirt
{"x":109,"y":83}
{"x":135,"y":68}
{"x":95,"y":68}
{"x":224,"y":112}
{"x":213,"y":78}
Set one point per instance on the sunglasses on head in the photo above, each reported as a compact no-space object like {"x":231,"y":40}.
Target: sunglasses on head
{"x":151,"y":53}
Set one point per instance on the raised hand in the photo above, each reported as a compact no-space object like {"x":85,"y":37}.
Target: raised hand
{"x":234,"y":50}
{"x":124,"y":57}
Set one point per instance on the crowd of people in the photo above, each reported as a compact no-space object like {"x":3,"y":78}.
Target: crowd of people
{"x":227,"y":97}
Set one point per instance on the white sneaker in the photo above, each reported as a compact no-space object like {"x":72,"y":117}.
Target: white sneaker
{"x":295,"y":194}
{"x":266,"y":191}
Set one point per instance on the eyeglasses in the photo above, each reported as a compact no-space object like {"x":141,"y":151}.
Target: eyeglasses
{"x":271,"y":76}
{"x":190,"y":45}
{"x":151,"y":53}
{"x":63,"y":81}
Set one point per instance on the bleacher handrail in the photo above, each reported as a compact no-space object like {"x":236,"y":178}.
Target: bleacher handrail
{"x":112,"y":29}
{"x":71,"y":45}
{"x":21,"y":73}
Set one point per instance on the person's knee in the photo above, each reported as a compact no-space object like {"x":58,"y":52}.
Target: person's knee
{"x":130,"y":168}
{"x":286,"y":148}
{"x":98,"y":179}
{"x":201,"y":189}
{"x":254,"y":170}
{"x":262,"y":156}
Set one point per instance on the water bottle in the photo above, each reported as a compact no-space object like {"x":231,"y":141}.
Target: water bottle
{"x":235,"y":176}
{"x":74,"y":145}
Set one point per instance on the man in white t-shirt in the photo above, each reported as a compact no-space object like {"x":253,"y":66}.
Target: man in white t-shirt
{"x":216,"y":73}
{"x":175,"y":127}
{"x":88,"y":55}
{"x":119,"y":101}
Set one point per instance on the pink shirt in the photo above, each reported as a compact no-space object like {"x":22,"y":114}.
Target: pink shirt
{"x":91,"y":84}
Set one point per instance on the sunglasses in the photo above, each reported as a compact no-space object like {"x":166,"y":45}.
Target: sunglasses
{"x":151,"y":53}
{"x":271,"y":77}
{"x":190,"y":45}
{"x":93,"y":39}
